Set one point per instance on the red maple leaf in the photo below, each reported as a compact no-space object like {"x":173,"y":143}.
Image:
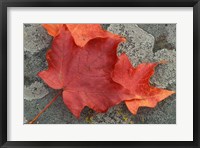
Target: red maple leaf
{"x":84,"y":73}
{"x":83,"y":63}
{"x":137,"y":81}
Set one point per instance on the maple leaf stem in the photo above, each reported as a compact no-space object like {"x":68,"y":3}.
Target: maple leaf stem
{"x":46,"y":107}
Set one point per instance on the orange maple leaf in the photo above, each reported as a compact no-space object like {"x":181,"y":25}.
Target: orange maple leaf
{"x":137,"y":81}
{"x":82,"y":33}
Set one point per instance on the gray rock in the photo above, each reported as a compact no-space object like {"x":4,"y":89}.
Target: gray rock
{"x":105,"y":26}
{"x":34,"y":63}
{"x":35,"y":37}
{"x":139,"y":44}
{"x":165,"y":74}
{"x":116,"y":115}
{"x":165,"y":35}
{"x":25,"y":121}
{"x":171,"y":37}
{"x":36,"y":90}
{"x":163,"y":113}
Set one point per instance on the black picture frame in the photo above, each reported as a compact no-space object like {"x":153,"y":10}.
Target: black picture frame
{"x":99,"y":3}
